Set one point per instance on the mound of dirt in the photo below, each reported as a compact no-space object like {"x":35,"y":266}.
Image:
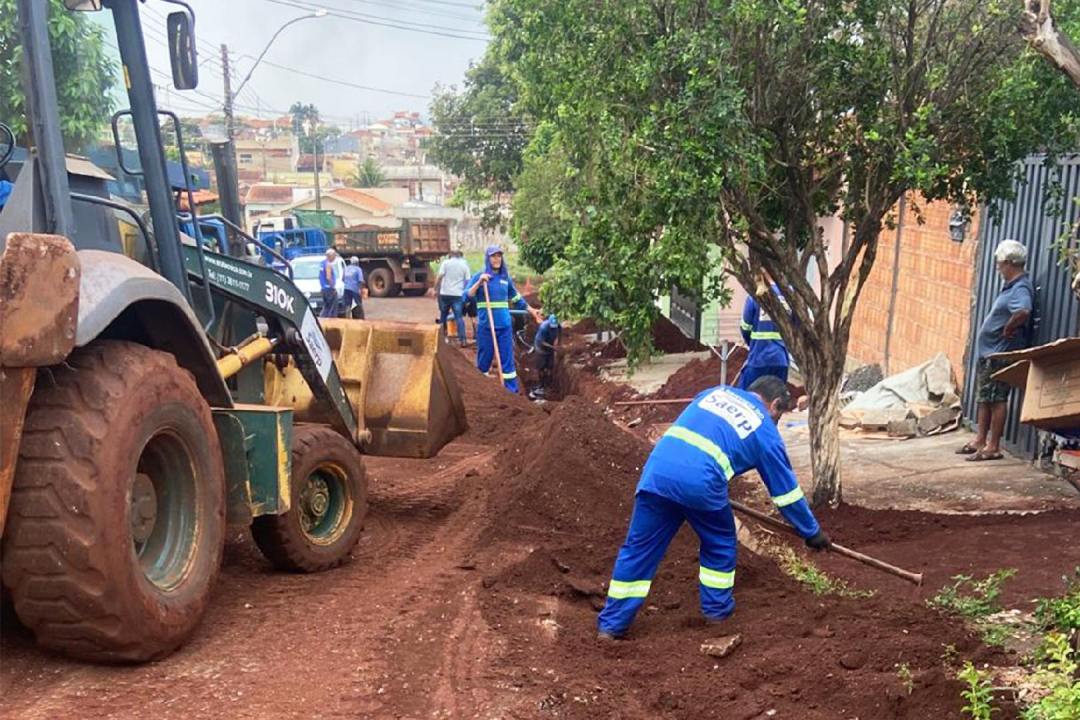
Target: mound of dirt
{"x":577,"y":476}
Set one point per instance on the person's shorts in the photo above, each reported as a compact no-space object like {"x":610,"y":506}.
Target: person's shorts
{"x":988,"y":390}
{"x":545,"y":359}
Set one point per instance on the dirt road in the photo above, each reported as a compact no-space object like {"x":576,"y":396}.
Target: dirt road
{"x":474,"y":591}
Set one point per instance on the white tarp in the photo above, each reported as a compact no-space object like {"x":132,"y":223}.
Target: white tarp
{"x":930,"y":383}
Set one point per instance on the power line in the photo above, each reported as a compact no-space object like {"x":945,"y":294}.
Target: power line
{"x":426,"y":11}
{"x":410,"y":27}
{"x":345,"y":83}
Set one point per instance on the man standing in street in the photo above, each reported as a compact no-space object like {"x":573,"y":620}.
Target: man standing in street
{"x":450,"y":287}
{"x":354,"y":294}
{"x":339,"y":276}
{"x":724,"y":432}
{"x":1004,"y":329}
{"x":768,"y":355}
{"x":328,"y":283}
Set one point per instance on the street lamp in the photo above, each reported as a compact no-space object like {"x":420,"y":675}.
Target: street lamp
{"x":316,"y":14}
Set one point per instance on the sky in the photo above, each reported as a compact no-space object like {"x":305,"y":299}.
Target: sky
{"x":406,"y":46}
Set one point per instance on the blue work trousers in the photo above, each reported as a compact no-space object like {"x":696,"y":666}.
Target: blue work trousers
{"x":330,"y":303}
{"x":457,"y":304}
{"x":655,"y":521}
{"x":485,"y":353}
{"x":750,"y":373}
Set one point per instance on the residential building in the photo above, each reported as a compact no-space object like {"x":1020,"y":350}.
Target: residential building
{"x":270,"y":155}
{"x":267,"y":199}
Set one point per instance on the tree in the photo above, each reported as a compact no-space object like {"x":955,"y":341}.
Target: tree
{"x":368,"y":175}
{"x":540,"y":224}
{"x":480,"y":137}
{"x":701,"y":133}
{"x":85,"y":75}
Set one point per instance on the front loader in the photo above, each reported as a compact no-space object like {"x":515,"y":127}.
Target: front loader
{"x":135,"y":375}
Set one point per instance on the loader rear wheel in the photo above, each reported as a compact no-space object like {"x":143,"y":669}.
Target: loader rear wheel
{"x":381,"y":283}
{"x":117,"y":518}
{"x":329,"y":503}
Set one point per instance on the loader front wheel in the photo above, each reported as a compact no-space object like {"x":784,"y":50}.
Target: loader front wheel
{"x":329,"y":503}
{"x":117,"y":518}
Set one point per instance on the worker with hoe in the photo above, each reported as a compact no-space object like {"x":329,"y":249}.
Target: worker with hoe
{"x":547,"y":337}
{"x":724,"y":432}
{"x":1005,"y":328}
{"x":494,"y":292}
{"x":768,"y":355}
{"x":328,"y":279}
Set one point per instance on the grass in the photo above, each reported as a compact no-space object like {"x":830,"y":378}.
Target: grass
{"x":814,"y":578}
{"x":907,"y":678}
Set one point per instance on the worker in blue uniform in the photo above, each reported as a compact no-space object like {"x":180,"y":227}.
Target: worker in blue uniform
{"x":768,"y":354}
{"x":501,"y":296}
{"x":724,"y":432}
{"x":544,"y":346}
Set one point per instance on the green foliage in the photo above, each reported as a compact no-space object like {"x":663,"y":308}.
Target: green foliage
{"x":970,"y":598}
{"x":85,"y":75}
{"x":480,"y":136}
{"x":814,"y":578}
{"x":1061,"y":613}
{"x":541,"y":225}
{"x":996,"y":634}
{"x":978,"y":693}
{"x":1058,"y":677}
{"x":369,"y":175}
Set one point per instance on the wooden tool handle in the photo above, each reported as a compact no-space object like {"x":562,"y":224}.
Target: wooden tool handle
{"x":835,"y":547}
{"x":494,"y":336}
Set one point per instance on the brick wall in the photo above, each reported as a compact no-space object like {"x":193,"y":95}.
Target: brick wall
{"x":933,"y":298}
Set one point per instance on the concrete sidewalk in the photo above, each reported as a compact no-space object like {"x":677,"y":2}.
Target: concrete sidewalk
{"x":926,"y":474}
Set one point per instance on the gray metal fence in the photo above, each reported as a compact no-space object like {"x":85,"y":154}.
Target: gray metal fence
{"x":1057,"y":312}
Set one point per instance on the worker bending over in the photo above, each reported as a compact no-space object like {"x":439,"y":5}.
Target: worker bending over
{"x":501,"y":295}
{"x":547,"y":337}
{"x":724,"y":432}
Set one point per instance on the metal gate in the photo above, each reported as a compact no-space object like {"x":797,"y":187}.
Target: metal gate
{"x":686,"y":314}
{"x":1057,"y":312}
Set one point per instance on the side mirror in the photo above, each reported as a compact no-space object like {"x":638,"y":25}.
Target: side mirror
{"x":182,"y":53}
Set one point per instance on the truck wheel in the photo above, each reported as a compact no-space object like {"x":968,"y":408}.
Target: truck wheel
{"x":329,"y":503}
{"x":117,"y":517}
{"x":381,"y":283}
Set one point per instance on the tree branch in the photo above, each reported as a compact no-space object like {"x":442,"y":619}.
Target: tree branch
{"x":1037,"y":27}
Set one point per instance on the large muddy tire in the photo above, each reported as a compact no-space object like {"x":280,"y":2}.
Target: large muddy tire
{"x":380,"y":282}
{"x":117,"y":517}
{"x":329,"y":503}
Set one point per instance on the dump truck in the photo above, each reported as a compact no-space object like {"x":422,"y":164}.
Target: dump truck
{"x":155,"y":391}
{"x":395,"y":260}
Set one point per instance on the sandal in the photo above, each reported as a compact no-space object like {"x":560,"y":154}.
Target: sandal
{"x":968,"y":449}
{"x":982,"y":456}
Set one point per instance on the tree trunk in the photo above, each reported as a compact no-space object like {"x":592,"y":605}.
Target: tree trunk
{"x":1037,"y":27}
{"x":823,"y":389}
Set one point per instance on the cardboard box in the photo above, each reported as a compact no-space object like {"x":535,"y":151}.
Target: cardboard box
{"x":1050,"y":377}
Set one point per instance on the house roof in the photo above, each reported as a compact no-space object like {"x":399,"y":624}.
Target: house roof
{"x":273,"y":194}
{"x":201,"y":197}
{"x":361,"y":199}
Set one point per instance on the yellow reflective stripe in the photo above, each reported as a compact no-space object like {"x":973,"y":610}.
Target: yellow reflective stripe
{"x":746,"y":326}
{"x":621,"y":589}
{"x":509,"y":376}
{"x":789,"y":497}
{"x":493,"y":305}
{"x":704,"y":444}
{"x":716,"y":578}
{"x":765,"y":336}
{"x":516,"y":298}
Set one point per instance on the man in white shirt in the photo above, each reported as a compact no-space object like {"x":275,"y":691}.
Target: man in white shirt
{"x":450,"y":283}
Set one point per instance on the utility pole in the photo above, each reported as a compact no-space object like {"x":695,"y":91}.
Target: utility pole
{"x":318,"y":192}
{"x":228,"y":93}
{"x":225,"y":165}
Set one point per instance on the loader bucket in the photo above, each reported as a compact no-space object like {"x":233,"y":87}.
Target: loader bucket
{"x":399,"y":382}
